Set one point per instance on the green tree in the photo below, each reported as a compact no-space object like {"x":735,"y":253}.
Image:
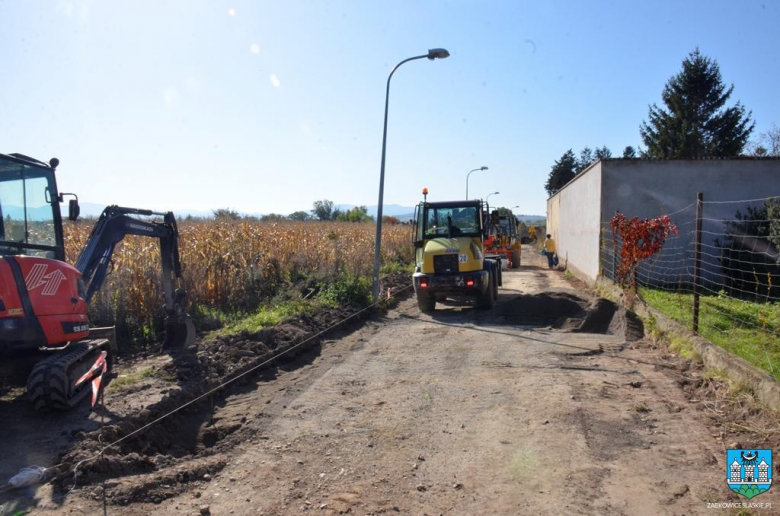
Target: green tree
{"x":356,"y":214}
{"x":749,"y":251}
{"x":299,"y":215}
{"x":226,"y":214}
{"x":588,"y":156}
{"x":323,"y":210}
{"x":773,"y":215}
{"x":585,"y":159}
{"x":562,"y":172}
{"x":603,"y":153}
{"x":273,"y":217}
{"x":629,"y":152}
{"x":696,"y":122}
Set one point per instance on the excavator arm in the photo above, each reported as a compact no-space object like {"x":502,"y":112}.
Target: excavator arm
{"x":114,"y":224}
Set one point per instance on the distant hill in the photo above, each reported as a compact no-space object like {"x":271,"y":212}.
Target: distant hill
{"x":91,"y":209}
{"x":534,"y":220}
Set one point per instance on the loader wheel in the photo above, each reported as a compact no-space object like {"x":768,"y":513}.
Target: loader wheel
{"x":426,"y":303}
{"x":515,"y":258}
{"x":486,"y":300}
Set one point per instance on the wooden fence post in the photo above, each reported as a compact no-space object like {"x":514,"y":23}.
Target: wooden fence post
{"x":697,"y":261}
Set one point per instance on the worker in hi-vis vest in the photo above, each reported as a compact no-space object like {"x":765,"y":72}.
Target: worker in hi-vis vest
{"x":550,"y":250}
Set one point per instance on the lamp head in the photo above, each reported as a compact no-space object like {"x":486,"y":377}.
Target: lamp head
{"x":483,"y":168}
{"x":438,"y":53}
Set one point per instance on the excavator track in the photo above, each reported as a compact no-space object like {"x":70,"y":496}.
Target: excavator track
{"x":52,"y":382}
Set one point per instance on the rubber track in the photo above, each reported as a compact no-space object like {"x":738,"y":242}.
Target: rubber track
{"x":48,"y":384}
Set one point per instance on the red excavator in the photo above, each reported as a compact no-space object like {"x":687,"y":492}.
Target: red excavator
{"x":44,"y":300}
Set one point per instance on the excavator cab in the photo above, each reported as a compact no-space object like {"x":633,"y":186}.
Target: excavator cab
{"x":30,"y":219}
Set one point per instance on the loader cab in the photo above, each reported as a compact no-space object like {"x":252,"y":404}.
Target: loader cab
{"x":30,"y":218}
{"x":447,"y":220}
{"x":507,"y":227}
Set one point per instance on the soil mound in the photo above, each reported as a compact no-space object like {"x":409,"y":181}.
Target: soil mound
{"x":568,"y":312}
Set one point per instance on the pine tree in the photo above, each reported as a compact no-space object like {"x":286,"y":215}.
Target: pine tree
{"x":603,"y":153}
{"x":562,"y":172}
{"x":695,"y":122}
{"x":586,"y":158}
{"x":629,"y":152}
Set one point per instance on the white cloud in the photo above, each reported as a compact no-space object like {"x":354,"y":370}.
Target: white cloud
{"x":84,"y":12}
{"x":275,"y":80}
{"x":193,"y":84}
{"x":231,"y":12}
{"x":171,"y":97}
{"x":65,"y":8}
{"x":255,"y":48}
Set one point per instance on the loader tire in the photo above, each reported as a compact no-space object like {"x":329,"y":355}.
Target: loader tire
{"x":427,"y":304}
{"x":487,"y":299}
{"x":515,"y":258}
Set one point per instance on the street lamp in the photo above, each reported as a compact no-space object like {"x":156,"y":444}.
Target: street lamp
{"x":488,"y":197}
{"x":434,"y":53}
{"x":467,"y":180}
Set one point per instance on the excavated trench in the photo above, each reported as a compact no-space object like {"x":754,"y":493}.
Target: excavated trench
{"x":188,"y":444}
{"x":564,"y":311}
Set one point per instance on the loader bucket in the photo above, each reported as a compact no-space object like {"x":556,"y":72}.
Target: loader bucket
{"x":179,"y":333}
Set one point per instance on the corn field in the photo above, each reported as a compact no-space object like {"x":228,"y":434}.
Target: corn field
{"x":232,"y":266}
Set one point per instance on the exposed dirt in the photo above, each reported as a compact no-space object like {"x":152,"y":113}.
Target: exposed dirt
{"x":569,"y":312}
{"x":196,"y":431}
{"x":165,"y":383}
{"x":547,"y":404}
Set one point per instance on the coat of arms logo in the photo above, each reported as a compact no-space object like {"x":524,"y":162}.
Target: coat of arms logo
{"x":749,"y":472}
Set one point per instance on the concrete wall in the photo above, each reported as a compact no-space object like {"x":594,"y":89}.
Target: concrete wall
{"x":646,"y":189}
{"x":580,"y":211}
{"x":574,"y":220}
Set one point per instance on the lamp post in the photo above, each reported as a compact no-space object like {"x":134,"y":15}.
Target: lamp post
{"x":488,"y":197}
{"x":434,"y":53}
{"x":467,"y":179}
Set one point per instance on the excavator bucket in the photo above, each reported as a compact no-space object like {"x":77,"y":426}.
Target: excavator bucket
{"x":179,"y":333}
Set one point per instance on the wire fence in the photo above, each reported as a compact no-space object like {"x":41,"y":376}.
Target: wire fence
{"x":719,"y":276}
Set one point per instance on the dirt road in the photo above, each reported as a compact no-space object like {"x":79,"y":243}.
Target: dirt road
{"x":518,"y":410}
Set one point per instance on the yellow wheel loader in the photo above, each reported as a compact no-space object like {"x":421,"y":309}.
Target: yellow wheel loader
{"x":449,"y":241}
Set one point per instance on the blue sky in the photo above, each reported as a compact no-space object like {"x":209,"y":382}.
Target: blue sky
{"x":267,"y":106}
